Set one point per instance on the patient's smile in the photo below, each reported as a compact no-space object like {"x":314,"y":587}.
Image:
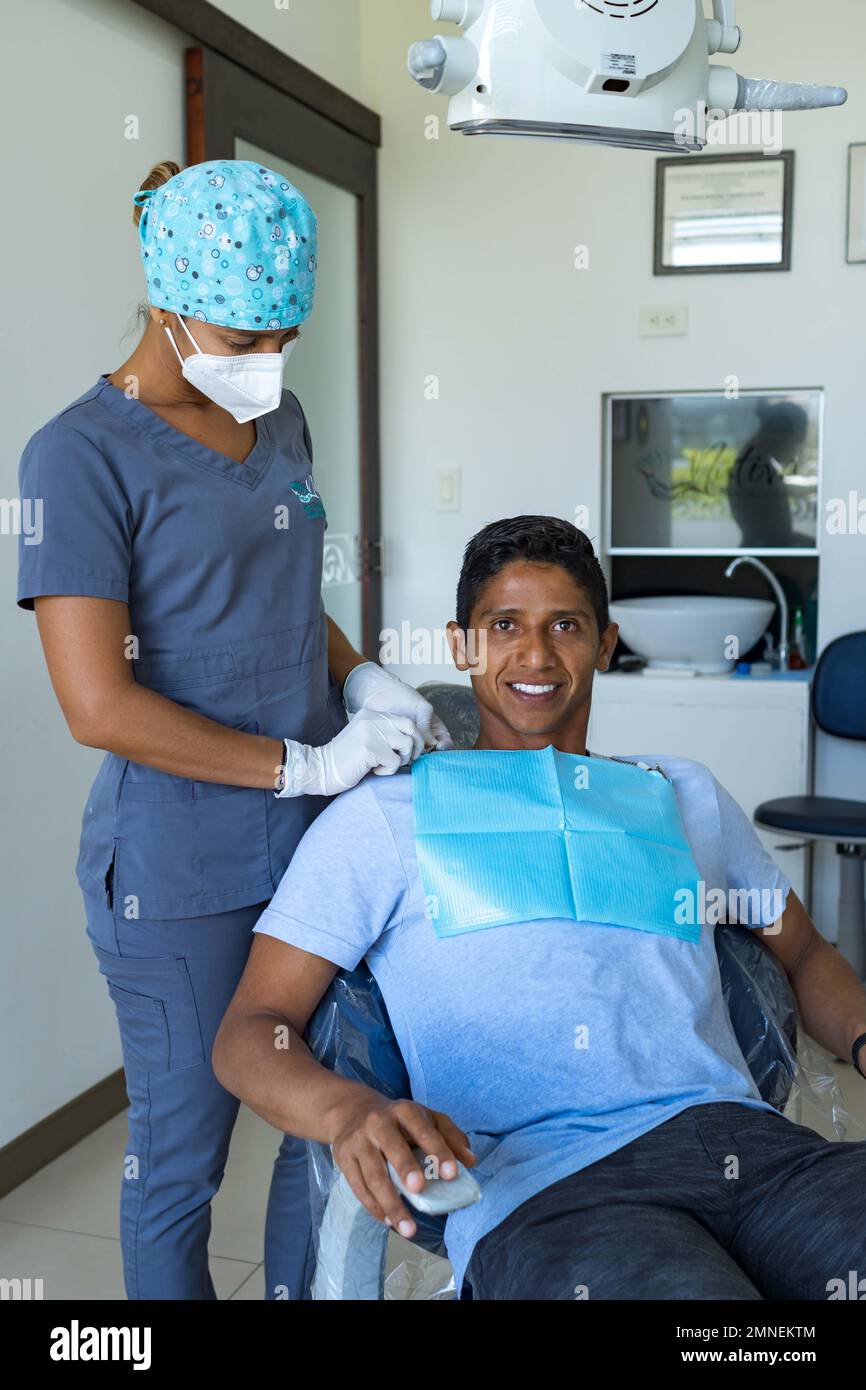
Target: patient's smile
{"x":532,"y":693}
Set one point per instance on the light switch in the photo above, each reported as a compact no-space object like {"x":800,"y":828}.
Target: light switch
{"x":664,"y":320}
{"x":447,"y":491}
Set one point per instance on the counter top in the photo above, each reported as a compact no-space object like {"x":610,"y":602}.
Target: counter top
{"x":779,"y":677}
{"x":775,"y":676}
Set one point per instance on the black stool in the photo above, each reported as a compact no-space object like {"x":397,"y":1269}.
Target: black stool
{"x":838,"y":709}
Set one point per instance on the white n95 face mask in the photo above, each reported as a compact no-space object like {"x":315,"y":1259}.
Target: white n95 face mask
{"x":247,"y":385}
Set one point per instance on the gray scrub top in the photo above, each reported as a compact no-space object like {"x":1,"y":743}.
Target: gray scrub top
{"x":221,"y":566}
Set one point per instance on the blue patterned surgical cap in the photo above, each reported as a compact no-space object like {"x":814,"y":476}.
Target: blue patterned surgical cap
{"x":231,"y":243}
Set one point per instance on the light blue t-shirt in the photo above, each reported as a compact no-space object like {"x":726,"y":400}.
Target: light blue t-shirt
{"x":551,"y":1043}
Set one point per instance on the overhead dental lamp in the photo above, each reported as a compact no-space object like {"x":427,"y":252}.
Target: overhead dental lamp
{"x":634,"y":73}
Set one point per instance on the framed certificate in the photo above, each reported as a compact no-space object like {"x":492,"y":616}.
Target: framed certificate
{"x":856,"y":204}
{"x":724,"y":213}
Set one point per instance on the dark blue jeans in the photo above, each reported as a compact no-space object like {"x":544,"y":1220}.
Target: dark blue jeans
{"x":721,"y":1202}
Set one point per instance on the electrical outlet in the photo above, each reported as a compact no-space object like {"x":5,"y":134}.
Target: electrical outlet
{"x":664,"y":320}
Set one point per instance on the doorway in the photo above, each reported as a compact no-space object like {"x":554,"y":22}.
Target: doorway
{"x":232,"y":113}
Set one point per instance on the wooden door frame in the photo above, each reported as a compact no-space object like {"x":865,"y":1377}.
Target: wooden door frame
{"x":215,"y":30}
{"x":239,"y":86}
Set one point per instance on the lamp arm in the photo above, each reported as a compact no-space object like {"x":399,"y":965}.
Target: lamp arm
{"x":723,"y":33}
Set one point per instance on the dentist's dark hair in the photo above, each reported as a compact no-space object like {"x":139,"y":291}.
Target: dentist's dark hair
{"x":547,"y":540}
{"x":159,"y":174}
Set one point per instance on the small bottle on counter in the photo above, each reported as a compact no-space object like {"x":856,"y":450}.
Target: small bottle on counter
{"x":797,"y":652}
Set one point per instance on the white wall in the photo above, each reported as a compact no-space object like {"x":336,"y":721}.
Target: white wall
{"x":66,"y":310}
{"x":478,"y":287}
{"x":324,"y":35}
{"x":75,"y":173}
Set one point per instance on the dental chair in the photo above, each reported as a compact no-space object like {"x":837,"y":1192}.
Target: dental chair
{"x":350,"y":1032}
{"x":839,"y":709}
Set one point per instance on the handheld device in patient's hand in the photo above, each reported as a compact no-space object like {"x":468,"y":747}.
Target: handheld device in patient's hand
{"x":439,"y":1195}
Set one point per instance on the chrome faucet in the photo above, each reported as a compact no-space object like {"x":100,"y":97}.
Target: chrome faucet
{"x":784,"y":646}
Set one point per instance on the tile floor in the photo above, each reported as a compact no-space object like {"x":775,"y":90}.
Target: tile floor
{"x":61,"y":1225}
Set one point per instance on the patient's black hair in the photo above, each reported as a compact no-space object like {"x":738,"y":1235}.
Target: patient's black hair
{"x":545,"y":539}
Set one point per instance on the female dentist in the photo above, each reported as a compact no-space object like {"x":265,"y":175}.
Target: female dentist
{"x":176,"y":583}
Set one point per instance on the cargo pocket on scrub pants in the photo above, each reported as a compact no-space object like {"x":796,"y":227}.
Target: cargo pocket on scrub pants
{"x":156,"y":1010}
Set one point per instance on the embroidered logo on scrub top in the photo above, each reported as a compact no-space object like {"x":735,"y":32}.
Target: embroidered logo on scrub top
{"x":308,"y":497}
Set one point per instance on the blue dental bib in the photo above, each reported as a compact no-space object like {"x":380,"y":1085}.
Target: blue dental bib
{"x":505,"y":837}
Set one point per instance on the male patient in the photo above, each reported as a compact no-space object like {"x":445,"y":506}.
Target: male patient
{"x":587,"y":1072}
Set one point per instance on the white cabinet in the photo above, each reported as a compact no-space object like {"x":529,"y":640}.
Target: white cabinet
{"x":753,"y":734}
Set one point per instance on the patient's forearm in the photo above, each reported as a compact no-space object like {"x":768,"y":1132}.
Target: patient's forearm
{"x":831,"y":1000}
{"x":266,"y":1064}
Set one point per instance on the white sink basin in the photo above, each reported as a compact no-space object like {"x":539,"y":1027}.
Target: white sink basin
{"x":691,"y":631}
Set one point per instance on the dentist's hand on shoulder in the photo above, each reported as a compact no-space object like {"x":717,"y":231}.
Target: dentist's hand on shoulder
{"x":390,"y":725}
{"x":370,"y":742}
{"x":369,"y":687}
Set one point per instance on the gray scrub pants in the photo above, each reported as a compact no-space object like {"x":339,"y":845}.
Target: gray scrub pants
{"x":171,"y":982}
{"x":721,"y":1202}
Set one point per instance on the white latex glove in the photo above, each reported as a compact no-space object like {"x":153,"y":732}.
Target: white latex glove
{"x":368,"y":686}
{"x":370,"y":742}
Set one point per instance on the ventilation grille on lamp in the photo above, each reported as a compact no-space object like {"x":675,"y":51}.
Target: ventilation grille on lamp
{"x":622,"y":9}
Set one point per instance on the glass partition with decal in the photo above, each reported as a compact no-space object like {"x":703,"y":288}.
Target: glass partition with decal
{"x":711,"y":473}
